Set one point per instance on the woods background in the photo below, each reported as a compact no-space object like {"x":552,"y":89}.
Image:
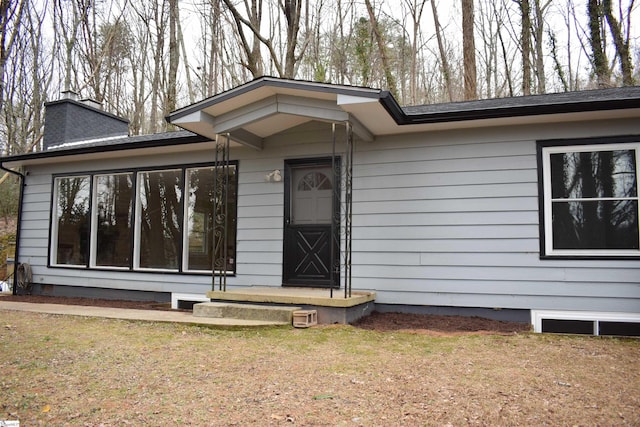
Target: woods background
{"x":142,"y":60}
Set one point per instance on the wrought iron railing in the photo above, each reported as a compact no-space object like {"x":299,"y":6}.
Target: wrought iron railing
{"x":342,"y":221}
{"x":220,"y":196}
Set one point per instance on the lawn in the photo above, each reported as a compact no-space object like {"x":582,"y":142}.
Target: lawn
{"x":59,"y":370}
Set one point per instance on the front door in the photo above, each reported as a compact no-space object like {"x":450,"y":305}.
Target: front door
{"x":311,"y":200}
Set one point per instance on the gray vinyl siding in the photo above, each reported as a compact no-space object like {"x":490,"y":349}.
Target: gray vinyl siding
{"x":451,"y":219}
{"x":441,"y":218}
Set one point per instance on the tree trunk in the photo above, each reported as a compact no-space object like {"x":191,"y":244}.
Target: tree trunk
{"x":525,"y":46}
{"x":622,"y":45}
{"x":7,"y":39}
{"x":469,"y":51}
{"x":538,"y":38}
{"x":174,"y":57}
{"x":292,"y":11}
{"x":446,"y":70}
{"x":391,"y":81}
{"x":158,"y":51}
{"x":505,"y":58}
{"x":251,"y":50}
{"x":599,"y":57}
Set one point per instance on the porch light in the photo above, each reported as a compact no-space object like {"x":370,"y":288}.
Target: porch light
{"x":274,"y":176}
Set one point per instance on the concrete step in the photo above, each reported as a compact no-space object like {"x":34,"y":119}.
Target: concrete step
{"x":272,"y":313}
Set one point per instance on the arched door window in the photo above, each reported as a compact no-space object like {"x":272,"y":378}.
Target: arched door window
{"x":312,"y":195}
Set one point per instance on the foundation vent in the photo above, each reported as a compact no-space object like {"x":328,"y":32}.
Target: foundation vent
{"x":586,"y":323}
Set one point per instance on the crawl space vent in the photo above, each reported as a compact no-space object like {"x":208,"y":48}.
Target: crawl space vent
{"x":586,"y":323}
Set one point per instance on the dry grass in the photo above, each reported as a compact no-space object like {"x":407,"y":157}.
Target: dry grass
{"x":57,"y":370}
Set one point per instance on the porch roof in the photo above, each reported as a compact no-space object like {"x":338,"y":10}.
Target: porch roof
{"x":268,"y":105}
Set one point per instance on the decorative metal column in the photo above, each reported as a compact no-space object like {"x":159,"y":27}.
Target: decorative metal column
{"x":341,"y":225}
{"x":220,"y":218}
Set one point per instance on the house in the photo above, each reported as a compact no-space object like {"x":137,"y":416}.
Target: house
{"x":523,"y":208}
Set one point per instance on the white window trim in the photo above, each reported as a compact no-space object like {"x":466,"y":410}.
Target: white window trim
{"x":547,"y":200}
{"x":53,"y":250}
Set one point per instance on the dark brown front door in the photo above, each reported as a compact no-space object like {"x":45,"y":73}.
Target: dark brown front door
{"x":310,"y":204}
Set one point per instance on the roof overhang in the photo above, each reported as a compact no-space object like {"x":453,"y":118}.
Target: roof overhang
{"x":268,"y":105}
{"x":132,"y":146}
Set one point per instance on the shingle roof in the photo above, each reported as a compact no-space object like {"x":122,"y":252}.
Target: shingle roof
{"x":553,"y":103}
{"x":113,"y":144}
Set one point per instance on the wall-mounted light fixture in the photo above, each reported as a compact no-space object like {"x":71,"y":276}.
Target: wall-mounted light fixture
{"x":274,"y":176}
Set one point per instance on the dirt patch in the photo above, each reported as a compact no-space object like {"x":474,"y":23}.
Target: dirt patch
{"x":419,"y":323}
{"x":436,"y":324}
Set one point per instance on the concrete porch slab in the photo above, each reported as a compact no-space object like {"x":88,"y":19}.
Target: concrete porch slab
{"x":290,"y":295}
{"x":329,"y":310}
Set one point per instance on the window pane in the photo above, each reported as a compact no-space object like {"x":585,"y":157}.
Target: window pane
{"x":205,"y":226}
{"x":114,"y":204}
{"x":72,"y":216}
{"x":160,"y":219}
{"x":593,"y":174}
{"x":595,"y":225}
{"x":314,"y":181}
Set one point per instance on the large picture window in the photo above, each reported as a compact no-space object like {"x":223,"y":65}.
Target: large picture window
{"x":590,"y":205}
{"x":152,"y":220}
{"x":209,"y":217}
{"x":70,"y":220}
{"x":112,"y":220}
{"x":160,"y":222}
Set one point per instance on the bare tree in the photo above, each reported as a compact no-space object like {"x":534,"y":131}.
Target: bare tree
{"x":469,"y":51}
{"x":538,"y":35}
{"x":68,"y":17}
{"x":292,"y":10}
{"x":525,"y":45}
{"x":620,"y":41}
{"x":599,"y":57}
{"x":444,"y":61}
{"x":174,"y":58}
{"x":10,"y":20}
{"x":251,"y":49}
{"x":30,"y":68}
{"x":416,"y":8}
{"x":386,"y":66}
{"x":285,"y":65}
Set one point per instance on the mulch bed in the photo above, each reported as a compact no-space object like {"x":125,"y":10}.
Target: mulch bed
{"x":383,"y":322}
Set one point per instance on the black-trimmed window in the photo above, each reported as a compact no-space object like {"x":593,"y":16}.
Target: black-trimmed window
{"x":70,"y":220}
{"x":147,"y":220}
{"x":590,"y":200}
{"x":112,"y":220}
{"x":205,"y":227}
{"x":159,"y":220}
